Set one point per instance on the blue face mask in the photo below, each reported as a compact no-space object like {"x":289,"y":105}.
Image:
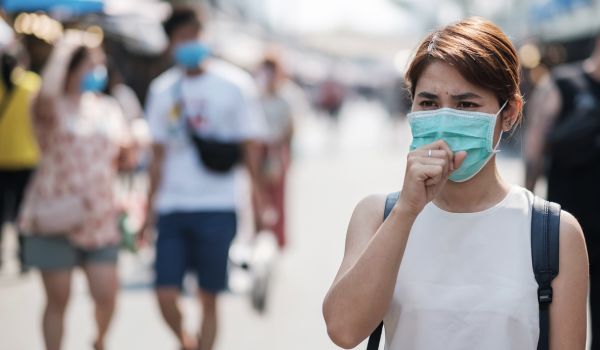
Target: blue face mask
{"x":191,"y":54}
{"x":95,"y":79}
{"x":472,"y":132}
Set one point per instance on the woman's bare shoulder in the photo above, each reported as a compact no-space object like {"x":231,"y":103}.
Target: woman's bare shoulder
{"x":572,"y":240}
{"x":371,"y":208}
{"x":366,"y":220}
{"x":571,"y":233}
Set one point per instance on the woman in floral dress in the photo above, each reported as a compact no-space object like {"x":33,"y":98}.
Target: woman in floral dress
{"x":84,"y":141}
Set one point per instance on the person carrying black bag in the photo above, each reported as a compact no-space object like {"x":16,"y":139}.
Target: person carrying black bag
{"x":463,"y":260}
{"x":562,"y":141}
{"x":205,"y":119}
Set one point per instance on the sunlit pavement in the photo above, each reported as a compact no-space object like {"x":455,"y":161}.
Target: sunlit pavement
{"x":335,"y":166}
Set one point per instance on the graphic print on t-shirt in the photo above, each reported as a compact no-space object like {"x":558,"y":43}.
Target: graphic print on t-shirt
{"x":196,"y":111}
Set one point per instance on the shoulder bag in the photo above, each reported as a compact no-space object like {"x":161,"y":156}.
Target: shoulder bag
{"x":216,"y":155}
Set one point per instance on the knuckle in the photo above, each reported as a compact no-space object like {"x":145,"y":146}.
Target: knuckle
{"x":412,"y":168}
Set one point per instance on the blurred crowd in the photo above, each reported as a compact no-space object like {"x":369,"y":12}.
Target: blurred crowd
{"x":85,"y":170}
{"x":110,"y":142}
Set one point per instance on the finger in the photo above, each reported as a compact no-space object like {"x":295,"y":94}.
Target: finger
{"x":424,"y":172}
{"x":459,"y":158}
{"x":443,"y":145}
{"x":444,"y":153}
{"x":434,"y":180}
{"x":429,"y":161}
{"x":439,"y":146}
{"x":415,"y":161}
{"x":424,"y":153}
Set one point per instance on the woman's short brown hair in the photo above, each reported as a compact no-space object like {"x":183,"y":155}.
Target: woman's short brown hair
{"x":478,"y":49}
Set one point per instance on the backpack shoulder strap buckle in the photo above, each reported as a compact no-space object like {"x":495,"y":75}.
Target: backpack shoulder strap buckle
{"x":545,"y":297}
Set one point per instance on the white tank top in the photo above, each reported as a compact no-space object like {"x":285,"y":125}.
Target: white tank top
{"x":466,"y":281}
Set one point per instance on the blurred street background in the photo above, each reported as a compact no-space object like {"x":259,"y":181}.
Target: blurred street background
{"x":345,"y":61}
{"x":330,"y":175}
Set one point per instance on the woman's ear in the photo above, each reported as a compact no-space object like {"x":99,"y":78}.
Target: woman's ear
{"x":511,"y":113}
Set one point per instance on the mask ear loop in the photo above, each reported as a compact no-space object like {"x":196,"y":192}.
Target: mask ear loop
{"x":496,"y":150}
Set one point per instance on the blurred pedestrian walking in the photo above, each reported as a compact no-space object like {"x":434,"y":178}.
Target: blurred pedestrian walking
{"x":69,"y":210}
{"x":331,"y":98}
{"x":562,"y":141}
{"x":205,"y":118}
{"x":276,"y":150}
{"x":19,"y":152}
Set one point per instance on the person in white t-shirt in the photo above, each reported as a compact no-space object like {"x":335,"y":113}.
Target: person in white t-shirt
{"x":205,"y":119}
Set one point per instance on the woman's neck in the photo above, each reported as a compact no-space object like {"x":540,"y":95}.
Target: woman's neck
{"x":483,"y":191}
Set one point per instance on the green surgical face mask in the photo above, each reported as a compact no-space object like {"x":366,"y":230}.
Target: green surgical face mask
{"x":472,"y":132}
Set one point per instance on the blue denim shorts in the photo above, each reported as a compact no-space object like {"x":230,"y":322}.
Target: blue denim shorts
{"x":52,"y":253}
{"x":196,"y":241}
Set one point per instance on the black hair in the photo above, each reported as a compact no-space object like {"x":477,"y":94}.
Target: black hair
{"x":181,"y":16}
{"x":8,"y":63}
{"x":114,"y":74}
{"x":80,"y":54}
{"x":270,"y":63}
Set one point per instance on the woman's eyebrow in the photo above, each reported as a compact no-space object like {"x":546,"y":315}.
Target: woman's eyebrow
{"x":428,"y":95}
{"x":465,"y":96}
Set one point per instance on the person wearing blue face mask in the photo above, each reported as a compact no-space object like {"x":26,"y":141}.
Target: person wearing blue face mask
{"x":451,"y":265}
{"x":95,"y":79}
{"x":205,"y":120}
{"x":191,"y":54}
{"x":69,"y":214}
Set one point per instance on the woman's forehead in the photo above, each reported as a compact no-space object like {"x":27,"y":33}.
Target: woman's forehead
{"x":442,"y":78}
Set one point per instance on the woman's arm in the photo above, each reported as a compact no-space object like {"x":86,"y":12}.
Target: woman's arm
{"x":54,"y":75}
{"x":568,"y":310}
{"x":363,"y":288}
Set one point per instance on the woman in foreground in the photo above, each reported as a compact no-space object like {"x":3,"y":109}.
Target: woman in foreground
{"x":451,"y":266}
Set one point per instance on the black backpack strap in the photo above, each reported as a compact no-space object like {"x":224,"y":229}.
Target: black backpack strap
{"x":545,"y":224}
{"x":375,"y":337}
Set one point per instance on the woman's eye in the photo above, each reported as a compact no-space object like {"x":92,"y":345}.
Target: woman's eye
{"x":466,"y":105}
{"x":428,"y":104}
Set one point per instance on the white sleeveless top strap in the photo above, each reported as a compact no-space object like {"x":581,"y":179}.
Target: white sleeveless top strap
{"x":466,"y":281}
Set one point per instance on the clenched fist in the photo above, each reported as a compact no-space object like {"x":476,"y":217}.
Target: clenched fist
{"x":427,"y":171}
